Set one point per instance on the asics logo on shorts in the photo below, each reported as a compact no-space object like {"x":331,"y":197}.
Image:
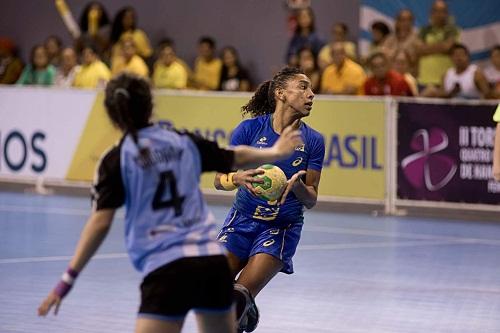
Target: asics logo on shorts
{"x":274,"y":231}
{"x":268,"y":243}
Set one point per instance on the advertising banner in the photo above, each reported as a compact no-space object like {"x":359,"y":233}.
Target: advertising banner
{"x":445,"y":153}
{"x":39,"y":130}
{"x":61,"y":134}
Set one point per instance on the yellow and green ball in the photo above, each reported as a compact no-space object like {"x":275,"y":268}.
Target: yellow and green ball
{"x":274,"y":182}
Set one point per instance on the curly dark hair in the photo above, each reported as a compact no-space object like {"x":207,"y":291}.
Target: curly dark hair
{"x":263,"y":101}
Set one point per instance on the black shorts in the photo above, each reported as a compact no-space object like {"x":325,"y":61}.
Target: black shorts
{"x":198,"y":283}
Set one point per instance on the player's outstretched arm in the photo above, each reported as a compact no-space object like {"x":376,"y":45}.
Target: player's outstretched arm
{"x":93,"y":234}
{"x":247,"y":157}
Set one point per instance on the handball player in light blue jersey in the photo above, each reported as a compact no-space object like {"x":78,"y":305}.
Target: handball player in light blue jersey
{"x":170,"y":233}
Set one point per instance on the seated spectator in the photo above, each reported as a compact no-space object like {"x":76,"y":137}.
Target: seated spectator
{"x":129,"y":61}
{"x":379,"y":33}
{"x":233,"y":76}
{"x":168,"y":72}
{"x":492,"y":71}
{"x":307,"y":63}
{"x":94,"y":73}
{"x":53,"y":45}
{"x":433,"y":46}
{"x":304,"y":36}
{"x":207,"y":67}
{"x":384,"y":80}
{"x":168,"y":42}
{"x":38,"y":71}
{"x":340,"y":32}
{"x":343,"y":76}
{"x":68,"y":69}
{"x":95,"y":28}
{"x":125,"y":27}
{"x":401,"y":64}
{"x":464,"y":80}
{"x":11,"y":65}
{"x":404,"y":38}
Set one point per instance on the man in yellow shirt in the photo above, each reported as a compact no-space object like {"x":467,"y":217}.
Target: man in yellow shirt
{"x":129,"y":61}
{"x":169,"y":72}
{"x":207,"y":67}
{"x":343,"y":76}
{"x":94,"y":73}
{"x":339,"y":34}
{"x":434,"y":44}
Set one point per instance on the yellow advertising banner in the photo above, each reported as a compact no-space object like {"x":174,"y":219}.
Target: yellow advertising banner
{"x":354,"y":132}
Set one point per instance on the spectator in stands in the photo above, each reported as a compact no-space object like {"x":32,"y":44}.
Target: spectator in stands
{"x":233,"y":76}
{"x":404,"y":38}
{"x":433,"y":46}
{"x":53,"y":45}
{"x":95,"y":28}
{"x":207,"y":67}
{"x":168,"y":72}
{"x":380,"y":32}
{"x":11,"y":65}
{"x":125,"y":27}
{"x":492,"y":71}
{"x":66,"y":73}
{"x":343,"y":76}
{"x":38,"y":71}
{"x":464,"y":80}
{"x":384,"y":80}
{"x":169,"y":42}
{"x":307,"y":63}
{"x":401,"y":64}
{"x":129,"y":61}
{"x":94,"y":73}
{"x":340,"y":33}
{"x":304,"y":36}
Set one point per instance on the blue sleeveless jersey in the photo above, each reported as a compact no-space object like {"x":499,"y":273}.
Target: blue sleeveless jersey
{"x":166,"y":215}
{"x":258,"y":132}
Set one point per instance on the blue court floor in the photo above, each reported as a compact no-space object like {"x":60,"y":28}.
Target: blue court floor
{"x":354,"y":273}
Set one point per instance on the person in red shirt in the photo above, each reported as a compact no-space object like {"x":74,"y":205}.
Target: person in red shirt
{"x":384,"y":80}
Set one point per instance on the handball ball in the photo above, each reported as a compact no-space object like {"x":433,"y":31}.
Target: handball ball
{"x":274,"y":182}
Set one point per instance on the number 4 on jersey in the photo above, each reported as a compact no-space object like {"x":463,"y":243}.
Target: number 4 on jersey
{"x":175,"y":200}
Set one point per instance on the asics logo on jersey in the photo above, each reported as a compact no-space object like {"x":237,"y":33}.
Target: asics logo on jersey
{"x":297,"y":161}
{"x":301,"y":148}
{"x":262,"y":141}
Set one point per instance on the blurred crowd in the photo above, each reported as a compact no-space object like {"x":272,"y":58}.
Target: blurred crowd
{"x":401,"y":61}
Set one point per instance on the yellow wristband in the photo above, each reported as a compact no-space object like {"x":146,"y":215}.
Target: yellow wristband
{"x":227,"y":182}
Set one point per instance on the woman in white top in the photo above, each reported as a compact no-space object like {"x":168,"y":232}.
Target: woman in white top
{"x":492,"y":71}
{"x":464,"y":80}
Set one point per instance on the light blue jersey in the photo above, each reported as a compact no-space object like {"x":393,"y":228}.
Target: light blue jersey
{"x":166,"y":215}
{"x":258,"y":132}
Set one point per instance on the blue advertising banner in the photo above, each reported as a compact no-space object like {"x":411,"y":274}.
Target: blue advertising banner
{"x":445,"y":153}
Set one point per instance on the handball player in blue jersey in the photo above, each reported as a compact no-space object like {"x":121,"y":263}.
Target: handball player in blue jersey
{"x":262,"y":236}
{"x":170,"y":233}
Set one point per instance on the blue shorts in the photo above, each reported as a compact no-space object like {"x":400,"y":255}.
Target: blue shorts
{"x":244,"y":237}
